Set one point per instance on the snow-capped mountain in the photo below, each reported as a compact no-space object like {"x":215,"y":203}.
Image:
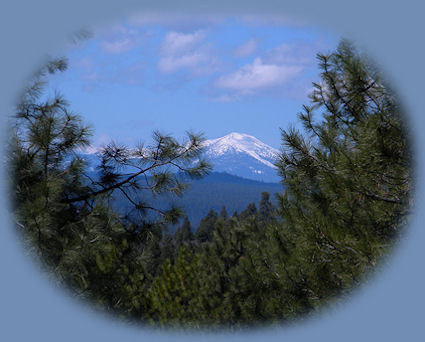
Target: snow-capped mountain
{"x":237,"y":154}
{"x":242,"y":155}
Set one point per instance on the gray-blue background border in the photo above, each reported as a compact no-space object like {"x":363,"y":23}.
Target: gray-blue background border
{"x":390,"y":308}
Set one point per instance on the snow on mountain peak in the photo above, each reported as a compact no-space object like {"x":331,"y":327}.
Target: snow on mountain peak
{"x":241,"y":143}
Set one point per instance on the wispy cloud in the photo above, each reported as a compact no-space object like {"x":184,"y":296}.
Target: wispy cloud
{"x":296,"y":53}
{"x":178,"y":43}
{"x":97,"y":75}
{"x":120,"y":40}
{"x":283,"y":71}
{"x":257,"y":76}
{"x":246,"y":49}
{"x":187,"y":51}
{"x":132,"y":74}
{"x":192,"y":61}
{"x":118,"y":46}
{"x":86,"y":67}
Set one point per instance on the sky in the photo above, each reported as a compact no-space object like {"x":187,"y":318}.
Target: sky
{"x":210,"y":74}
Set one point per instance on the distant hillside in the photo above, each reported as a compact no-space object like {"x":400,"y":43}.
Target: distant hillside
{"x":212,"y":192}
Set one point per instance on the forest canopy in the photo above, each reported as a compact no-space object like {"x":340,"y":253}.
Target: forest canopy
{"x":346,"y":194}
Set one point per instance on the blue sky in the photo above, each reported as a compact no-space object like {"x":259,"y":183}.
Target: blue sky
{"x":206,"y":74}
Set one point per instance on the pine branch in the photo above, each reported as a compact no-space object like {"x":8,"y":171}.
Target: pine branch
{"x":125,"y":181}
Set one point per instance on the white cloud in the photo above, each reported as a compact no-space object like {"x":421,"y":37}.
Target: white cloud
{"x":170,"y":64}
{"x":257,"y":76}
{"x":246,"y":49}
{"x":186,"y":51}
{"x":225,"y":98}
{"x":175,"y":42}
{"x":284,"y":71}
{"x":118,"y":46}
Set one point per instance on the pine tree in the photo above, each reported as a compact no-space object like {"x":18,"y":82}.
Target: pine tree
{"x":266,"y":209}
{"x":223,"y":213}
{"x":206,"y":227}
{"x":64,"y":214}
{"x":167,"y":248}
{"x":348,"y":182}
{"x":174,"y":293}
{"x":250,"y":211}
{"x":183,"y":234}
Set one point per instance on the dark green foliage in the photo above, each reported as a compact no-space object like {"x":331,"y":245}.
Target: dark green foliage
{"x":250,"y":211}
{"x":223,"y":213}
{"x":183,"y":234}
{"x":266,"y":209}
{"x":348,"y":178}
{"x":206,"y":227}
{"x":167,"y":247}
{"x":230,"y":290}
{"x":173,"y":293}
{"x":64,"y":214}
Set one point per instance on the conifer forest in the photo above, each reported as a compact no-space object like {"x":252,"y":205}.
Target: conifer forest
{"x":345,"y":198}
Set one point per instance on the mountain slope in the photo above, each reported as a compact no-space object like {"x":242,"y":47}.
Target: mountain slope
{"x":244,"y":156}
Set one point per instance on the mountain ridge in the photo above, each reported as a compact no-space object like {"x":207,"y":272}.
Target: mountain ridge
{"x":237,"y":154}
{"x":242,"y":143}
{"x":243,"y":155}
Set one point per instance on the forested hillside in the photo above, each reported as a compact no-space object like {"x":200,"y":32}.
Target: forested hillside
{"x":346,"y":199}
{"x":211,"y":192}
